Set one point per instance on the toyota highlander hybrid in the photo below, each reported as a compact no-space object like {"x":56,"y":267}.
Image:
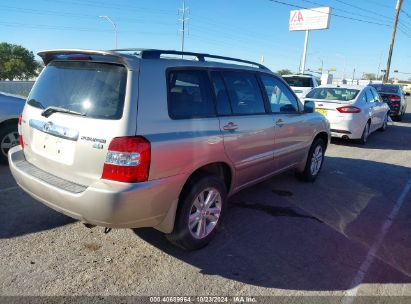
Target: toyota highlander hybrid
{"x":144,"y":138}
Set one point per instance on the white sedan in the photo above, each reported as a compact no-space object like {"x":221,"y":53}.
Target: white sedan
{"x":354,"y":112}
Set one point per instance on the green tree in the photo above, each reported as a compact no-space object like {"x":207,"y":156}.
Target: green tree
{"x":370,"y":76}
{"x":16,"y":62}
{"x":283,"y":72}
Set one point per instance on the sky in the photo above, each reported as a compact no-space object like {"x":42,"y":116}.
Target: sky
{"x":247,"y":29}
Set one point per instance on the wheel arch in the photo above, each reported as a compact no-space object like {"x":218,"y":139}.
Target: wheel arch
{"x":220,"y":169}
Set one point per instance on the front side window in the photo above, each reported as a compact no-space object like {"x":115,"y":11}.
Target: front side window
{"x":244,"y":92}
{"x":280,"y":97}
{"x":189,"y":95}
{"x":93,"y":89}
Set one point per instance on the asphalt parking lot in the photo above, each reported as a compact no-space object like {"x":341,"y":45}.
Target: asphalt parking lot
{"x":348,"y":234}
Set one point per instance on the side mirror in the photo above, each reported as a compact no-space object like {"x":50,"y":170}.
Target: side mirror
{"x":309,"y":106}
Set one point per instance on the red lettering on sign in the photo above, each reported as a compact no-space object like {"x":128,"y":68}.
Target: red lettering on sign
{"x":297,"y":17}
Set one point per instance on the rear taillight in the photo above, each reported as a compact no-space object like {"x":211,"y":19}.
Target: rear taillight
{"x":20,"y":132}
{"x":348,"y":109}
{"x":393,"y":98}
{"x":128,"y":159}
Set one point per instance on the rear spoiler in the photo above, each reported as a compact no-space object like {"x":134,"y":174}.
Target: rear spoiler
{"x":109,"y":56}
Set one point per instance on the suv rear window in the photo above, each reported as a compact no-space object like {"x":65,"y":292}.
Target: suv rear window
{"x":189,"y":95}
{"x":96,"y":90}
{"x":295,"y":81}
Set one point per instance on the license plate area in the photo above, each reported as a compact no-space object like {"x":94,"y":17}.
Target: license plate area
{"x":322,"y":111}
{"x":52,"y":147}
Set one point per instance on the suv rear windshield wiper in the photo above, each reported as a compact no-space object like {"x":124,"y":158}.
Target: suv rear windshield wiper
{"x":50,"y":110}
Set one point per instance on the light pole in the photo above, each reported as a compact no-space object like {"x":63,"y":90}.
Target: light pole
{"x":114,"y":27}
{"x":322,"y":64}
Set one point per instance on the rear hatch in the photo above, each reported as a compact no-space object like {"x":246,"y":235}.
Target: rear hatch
{"x":74,"y":110}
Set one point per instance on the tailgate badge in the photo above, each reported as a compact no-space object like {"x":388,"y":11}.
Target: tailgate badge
{"x":47,"y":126}
{"x":98,"y":146}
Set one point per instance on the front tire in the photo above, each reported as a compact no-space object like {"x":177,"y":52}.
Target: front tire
{"x":9,"y":137}
{"x":200,"y":213}
{"x":314,"y":161}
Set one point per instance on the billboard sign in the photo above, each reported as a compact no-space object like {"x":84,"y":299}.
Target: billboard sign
{"x":310,"y":19}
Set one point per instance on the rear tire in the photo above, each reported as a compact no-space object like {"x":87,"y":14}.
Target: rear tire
{"x":365,"y":133}
{"x":9,"y":137}
{"x":199,"y":214}
{"x":384,"y":124}
{"x":314,"y":163}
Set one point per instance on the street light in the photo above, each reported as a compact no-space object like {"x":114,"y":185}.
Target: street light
{"x":114,"y":27}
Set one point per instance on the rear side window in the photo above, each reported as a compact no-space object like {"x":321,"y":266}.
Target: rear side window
{"x":189,"y":95}
{"x":377,"y":97}
{"x":370,"y":97}
{"x":244,"y":92}
{"x":94,"y":89}
{"x":296,"y":81}
{"x":222,"y":99}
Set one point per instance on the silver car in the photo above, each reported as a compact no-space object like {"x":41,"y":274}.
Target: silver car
{"x":144,"y":138}
{"x":11,"y":107}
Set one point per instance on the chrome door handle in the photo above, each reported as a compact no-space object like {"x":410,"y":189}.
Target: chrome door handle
{"x":230,"y":126}
{"x":280,"y":123}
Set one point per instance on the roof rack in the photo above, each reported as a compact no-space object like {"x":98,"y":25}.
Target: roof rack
{"x":156,"y":54}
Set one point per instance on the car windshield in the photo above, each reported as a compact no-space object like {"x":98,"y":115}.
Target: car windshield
{"x":93,"y":89}
{"x":333,"y":94}
{"x":296,"y":81}
{"x":386,"y":88}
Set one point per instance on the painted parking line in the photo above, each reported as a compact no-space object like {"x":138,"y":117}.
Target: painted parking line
{"x":351,"y":293}
{"x":8,"y":189}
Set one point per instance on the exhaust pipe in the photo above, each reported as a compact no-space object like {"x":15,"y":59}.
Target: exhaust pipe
{"x":89,"y":226}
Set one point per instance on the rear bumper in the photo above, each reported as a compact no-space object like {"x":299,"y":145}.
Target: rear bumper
{"x":346,"y":128}
{"x":103,"y":203}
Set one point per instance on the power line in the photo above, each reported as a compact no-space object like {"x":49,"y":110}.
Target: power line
{"x":31,"y":26}
{"x":405,"y":13}
{"x":120,"y":7}
{"x":332,"y":14}
{"x":380,"y":4}
{"x":342,"y":10}
{"x":363,"y":9}
{"x":75,"y":15}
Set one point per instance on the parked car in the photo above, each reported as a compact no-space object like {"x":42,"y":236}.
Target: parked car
{"x":407,"y":90}
{"x":394,"y":96}
{"x":10,"y":108}
{"x":129,"y":138}
{"x":301,"y":83}
{"x":354,"y":112}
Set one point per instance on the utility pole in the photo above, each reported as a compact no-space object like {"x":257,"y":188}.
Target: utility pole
{"x":183,"y":21}
{"x":394,"y":30}
{"x":353,"y":76}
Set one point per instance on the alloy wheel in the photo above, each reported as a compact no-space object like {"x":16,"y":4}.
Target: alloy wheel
{"x":9,"y":141}
{"x":316,"y":160}
{"x":205,"y":213}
